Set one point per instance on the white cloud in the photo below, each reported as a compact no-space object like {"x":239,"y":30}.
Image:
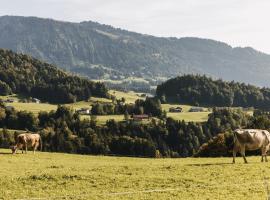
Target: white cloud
{"x":237,"y":22}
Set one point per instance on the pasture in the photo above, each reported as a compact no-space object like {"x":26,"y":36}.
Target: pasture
{"x":186,"y":115}
{"x":190,"y":116}
{"x":130,"y":96}
{"x":67,"y":176}
{"x":33,"y":107}
{"x":102,"y":119}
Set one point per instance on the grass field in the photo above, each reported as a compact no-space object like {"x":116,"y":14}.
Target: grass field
{"x":186,"y":115}
{"x":190,"y":116}
{"x":130,"y":97}
{"x":166,"y":107}
{"x":65,"y":176}
{"x":102,"y":119}
{"x":33,"y":107}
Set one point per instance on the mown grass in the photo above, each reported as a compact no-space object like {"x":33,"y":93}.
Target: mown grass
{"x":102,"y":119}
{"x":130,"y":96}
{"x":185,"y":114}
{"x":66,"y":176}
{"x":33,"y":107}
{"x":166,"y":107}
{"x":190,"y":116}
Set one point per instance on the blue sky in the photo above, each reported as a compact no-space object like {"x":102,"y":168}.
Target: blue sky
{"x":236,"y":22}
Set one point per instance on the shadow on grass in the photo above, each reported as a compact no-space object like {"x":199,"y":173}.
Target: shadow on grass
{"x":5,"y":153}
{"x":209,"y":164}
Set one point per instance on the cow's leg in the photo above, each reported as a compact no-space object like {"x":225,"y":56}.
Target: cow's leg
{"x":26,"y":148}
{"x":234,"y":153}
{"x":262,"y":154}
{"x":243,"y":154}
{"x":265,"y":158}
{"x":35,"y":148}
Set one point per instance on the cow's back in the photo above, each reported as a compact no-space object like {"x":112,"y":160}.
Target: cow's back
{"x":252,"y":139}
{"x":32,"y":139}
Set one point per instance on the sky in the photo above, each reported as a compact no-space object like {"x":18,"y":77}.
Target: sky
{"x":236,"y":22}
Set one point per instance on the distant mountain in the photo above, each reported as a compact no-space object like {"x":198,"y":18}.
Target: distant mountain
{"x":103,"y":52}
{"x":24,"y":75}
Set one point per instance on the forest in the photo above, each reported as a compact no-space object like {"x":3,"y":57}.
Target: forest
{"x":204,"y":91}
{"x":24,"y":75}
{"x":63,"y":131}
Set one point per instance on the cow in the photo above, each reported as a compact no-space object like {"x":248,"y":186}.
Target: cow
{"x":25,"y":140}
{"x":251,"y":139}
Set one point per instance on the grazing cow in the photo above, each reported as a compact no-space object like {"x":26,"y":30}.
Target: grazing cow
{"x":251,"y":139}
{"x":25,"y":140}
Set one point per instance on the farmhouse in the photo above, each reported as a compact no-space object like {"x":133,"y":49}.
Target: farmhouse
{"x":196,"y":109}
{"x":83,"y":111}
{"x":9,"y":101}
{"x":9,"y":108}
{"x":35,"y":100}
{"x":140,"y":117}
{"x":177,"y":109}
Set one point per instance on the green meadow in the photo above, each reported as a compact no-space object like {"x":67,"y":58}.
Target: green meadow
{"x":67,"y":176}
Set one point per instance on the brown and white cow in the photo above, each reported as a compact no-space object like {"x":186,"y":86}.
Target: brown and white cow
{"x":251,"y":139}
{"x":25,"y":140}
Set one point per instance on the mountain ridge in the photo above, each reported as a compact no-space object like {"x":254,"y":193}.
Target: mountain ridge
{"x":101,"y":51}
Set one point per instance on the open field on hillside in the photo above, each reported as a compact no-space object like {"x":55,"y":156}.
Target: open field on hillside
{"x":190,"y":116}
{"x":33,"y":107}
{"x":185,"y":108}
{"x":186,"y":115}
{"x":102,"y":119}
{"x":130,"y":96}
{"x":66,"y":176}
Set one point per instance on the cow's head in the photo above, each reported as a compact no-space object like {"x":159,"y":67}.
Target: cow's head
{"x":13,"y":149}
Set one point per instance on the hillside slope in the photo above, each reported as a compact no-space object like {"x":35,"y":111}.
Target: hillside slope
{"x":21,"y":74}
{"x":103,"y":52}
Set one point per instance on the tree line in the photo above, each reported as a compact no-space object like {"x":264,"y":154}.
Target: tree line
{"x":202,"y":90}
{"x":63,"y":131}
{"x":150,"y":106}
{"x":22,"y":74}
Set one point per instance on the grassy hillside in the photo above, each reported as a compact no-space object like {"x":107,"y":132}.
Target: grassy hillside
{"x":130,"y":97}
{"x":190,"y":116}
{"x":33,"y":107}
{"x":66,"y":176}
{"x":102,"y":119}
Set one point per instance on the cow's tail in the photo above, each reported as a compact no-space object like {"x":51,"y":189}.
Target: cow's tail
{"x":40,"y":142}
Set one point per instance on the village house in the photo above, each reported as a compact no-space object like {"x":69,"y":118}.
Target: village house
{"x":35,"y":100}
{"x":83,"y":111}
{"x":9,"y":101}
{"x":9,"y":108}
{"x":140,"y":117}
{"x":196,"y":109}
{"x":177,"y":109}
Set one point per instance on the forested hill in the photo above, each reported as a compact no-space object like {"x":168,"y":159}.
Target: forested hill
{"x":25,"y":75}
{"x":103,"y":52}
{"x":201,"y":90}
